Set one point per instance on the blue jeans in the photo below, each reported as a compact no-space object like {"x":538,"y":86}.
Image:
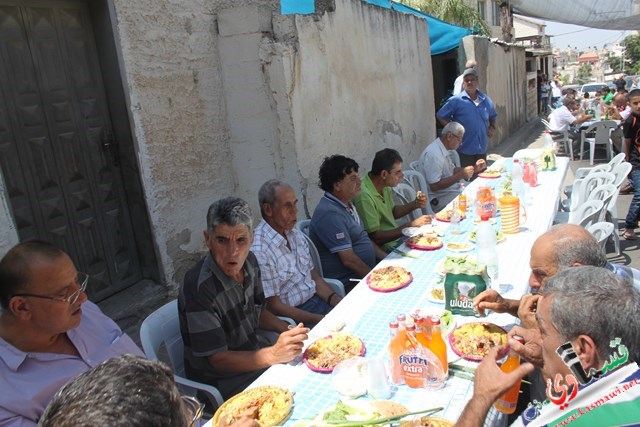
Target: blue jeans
{"x":631,"y":222}
{"x":316,"y":305}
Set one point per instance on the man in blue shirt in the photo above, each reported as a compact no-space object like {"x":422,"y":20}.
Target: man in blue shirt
{"x":475,"y":111}
{"x":336,"y":229}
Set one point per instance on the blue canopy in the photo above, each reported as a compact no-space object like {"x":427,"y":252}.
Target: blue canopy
{"x":442,"y":35}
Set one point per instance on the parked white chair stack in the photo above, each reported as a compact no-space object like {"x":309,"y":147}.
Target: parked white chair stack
{"x":601,"y":231}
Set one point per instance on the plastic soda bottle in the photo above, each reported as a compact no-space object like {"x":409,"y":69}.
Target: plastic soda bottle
{"x":533,"y":174}
{"x":421,"y":336}
{"x":413,"y":377}
{"x":462,"y":199}
{"x":395,"y":350}
{"x":454,"y":224}
{"x":437,"y":344}
{"x":516,"y":177}
{"x":507,"y":402}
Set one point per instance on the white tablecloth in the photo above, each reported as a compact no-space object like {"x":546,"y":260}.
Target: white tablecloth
{"x":367,"y":313}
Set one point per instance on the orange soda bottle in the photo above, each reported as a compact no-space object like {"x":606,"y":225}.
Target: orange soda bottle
{"x":413,"y":378}
{"x":394,"y":351}
{"x":507,"y":402}
{"x":462,"y":199}
{"x":421,"y":334}
{"x":437,"y":344}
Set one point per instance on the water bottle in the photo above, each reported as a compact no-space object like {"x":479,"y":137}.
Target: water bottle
{"x":517,"y":173}
{"x":548,"y":141}
{"x":454,"y":225}
{"x":486,"y":241}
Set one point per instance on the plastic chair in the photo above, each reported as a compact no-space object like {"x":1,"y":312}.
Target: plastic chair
{"x":582,"y":172}
{"x":584,"y":215}
{"x":602,"y":136}
{"x":583,"y":187}
{"x":568,"y":143}
{"x":335,"y":284}
{"x":601,"y":231}
{"x":455,"y":157}
{"x":416,"y":180}
{"x":620,"y":171}
{"x":162,"y":327}
{"x":407,"y":193}
{"x":604,"y":192}
{"x":415,"y":165}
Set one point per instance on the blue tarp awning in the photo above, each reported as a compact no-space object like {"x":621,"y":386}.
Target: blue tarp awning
{"x":442,"y":35}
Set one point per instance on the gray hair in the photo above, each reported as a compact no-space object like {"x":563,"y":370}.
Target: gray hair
{"x":267,"y":193}
{"x":594,"y":301}
{"x":568,"y":101}
{"x":229,"y":211}
{"x":453,"y":128}
{"x":573,"y":244}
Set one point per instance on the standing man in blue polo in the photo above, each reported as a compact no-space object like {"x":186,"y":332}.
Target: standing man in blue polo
{"x":475,"y":111}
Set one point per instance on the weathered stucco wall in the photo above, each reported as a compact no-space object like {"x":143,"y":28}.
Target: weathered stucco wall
{"x":502,"y":75}
{"x":362,"y":82}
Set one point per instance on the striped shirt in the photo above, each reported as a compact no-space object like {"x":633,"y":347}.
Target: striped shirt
{"x":286,"y":273}
{"x":218,"y":314}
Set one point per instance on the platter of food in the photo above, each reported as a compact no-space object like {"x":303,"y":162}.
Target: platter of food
{"x":389,"y":279}
{"x":324,"y":354}
{"x":428,"y":422}
{"x":459,"y":247}
{"x":425,"y":242}
{"x":359,"y":412}
{"x":489,"y":174}
{"x":445,"y":215}
{"x":436,"y":293}
{"x":500,"y":237}
{"x":472,"y":341}
{"x":434,"y":229}
{"x":462,"y":262}
{"x":267,"y":405}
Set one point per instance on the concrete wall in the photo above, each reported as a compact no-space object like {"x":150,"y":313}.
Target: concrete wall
{"x":8,"y":231}
{"x":502,"y":75}
{"x":224,"y":95}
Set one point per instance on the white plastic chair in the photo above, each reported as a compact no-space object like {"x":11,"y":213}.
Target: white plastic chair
{"x":620,"y":171}
{"x":162,"y":327}
{"x":564,"y":138}
{"x":586,"y":214}
{"x":455,"y":158}
{"x":583,"y":187}
{"x":406,"y":194}
{"x":602,"y":136}
{"x":601,"y":231}
{"x":415,"y":165}
{"x":335,"y":284}
{"x":604,"y":192}
{"x":582,"y":172}
{"x":417,"y":181}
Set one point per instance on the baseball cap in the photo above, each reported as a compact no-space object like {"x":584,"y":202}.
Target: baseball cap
{"x":470,"y":71}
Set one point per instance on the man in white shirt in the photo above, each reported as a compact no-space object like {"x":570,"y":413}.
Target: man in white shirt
{"x":439,"y":170}
{"x":291,"y":285}
{"x":457,"y":85}
{"x":562,"y":119}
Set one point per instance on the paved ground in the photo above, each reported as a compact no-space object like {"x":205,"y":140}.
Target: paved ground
{"x":130,"y":307}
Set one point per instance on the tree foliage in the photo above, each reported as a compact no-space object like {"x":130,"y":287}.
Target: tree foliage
{"x":632,"y":54}
{"x":615,"y":62}
{"x":455,"y":12}
{"x":584,"y":73}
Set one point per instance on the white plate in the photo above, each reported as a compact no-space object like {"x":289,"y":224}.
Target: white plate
{"x":431,"y":297}
{"x":425,"y":229}
{"x":466,"y":247}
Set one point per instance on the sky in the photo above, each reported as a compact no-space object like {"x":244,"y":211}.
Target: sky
{"x":581,"y":37}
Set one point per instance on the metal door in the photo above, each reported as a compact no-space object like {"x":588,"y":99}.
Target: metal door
{"x":57,"y":152}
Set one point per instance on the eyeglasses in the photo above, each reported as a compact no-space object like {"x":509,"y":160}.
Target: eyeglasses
{"x":195,"y":408}
{"x":81,"y":280}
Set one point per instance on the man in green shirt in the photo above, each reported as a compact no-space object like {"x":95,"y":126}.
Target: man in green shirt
{"x":375,"y":202}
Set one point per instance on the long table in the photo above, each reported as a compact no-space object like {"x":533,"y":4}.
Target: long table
{"x":366,"y":313}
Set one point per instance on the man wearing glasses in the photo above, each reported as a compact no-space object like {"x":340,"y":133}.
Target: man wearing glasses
{"x":49,"y":332}
{"x":439,"y":170}
{"x":375,"y":202}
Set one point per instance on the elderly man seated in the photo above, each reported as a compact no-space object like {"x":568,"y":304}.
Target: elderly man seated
{"x":344,"y":246}
{"x":563,"y":119}
{"x":375,"y":202}
{"x":291,"y":285}
{"x":221,"y":307}
{"x":589,"y":316}
{"x":442,"y":176}
{"x":562,"y":246}
{"x":49,"y":332}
